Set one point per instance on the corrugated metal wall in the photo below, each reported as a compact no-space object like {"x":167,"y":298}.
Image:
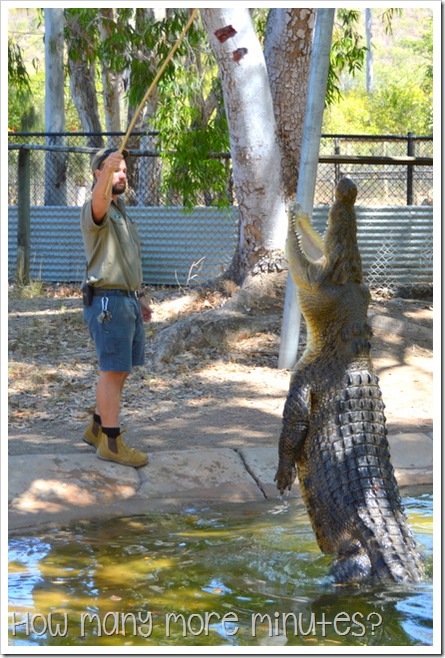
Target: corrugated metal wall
{"x":172,"y":242}
{"x":395,"y":243}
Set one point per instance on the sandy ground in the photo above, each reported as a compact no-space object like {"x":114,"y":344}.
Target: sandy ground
{"x":232,"y":397}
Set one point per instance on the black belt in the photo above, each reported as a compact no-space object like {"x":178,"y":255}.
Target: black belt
{"x":115,"y":291}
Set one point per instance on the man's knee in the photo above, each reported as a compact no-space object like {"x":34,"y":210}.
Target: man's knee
{"x":110,"y":375}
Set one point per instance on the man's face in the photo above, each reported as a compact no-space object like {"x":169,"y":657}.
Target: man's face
{"x":119,"y":180}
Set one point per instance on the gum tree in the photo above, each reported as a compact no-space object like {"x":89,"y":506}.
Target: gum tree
{"x":265,"y":100}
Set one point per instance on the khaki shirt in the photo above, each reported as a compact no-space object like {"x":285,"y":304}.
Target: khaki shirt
{"x":112,"y":249}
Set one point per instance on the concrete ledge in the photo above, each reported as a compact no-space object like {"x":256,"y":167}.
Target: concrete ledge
{"x":217,"y":474}
{"x":54,"y":490}
{"x":42,"y":487}
{"x":262,"y":464}
{"x":55,"y":480}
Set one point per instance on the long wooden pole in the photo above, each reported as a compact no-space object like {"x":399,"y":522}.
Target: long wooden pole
{"x":157,"y":77}
{"x":153,"y":85}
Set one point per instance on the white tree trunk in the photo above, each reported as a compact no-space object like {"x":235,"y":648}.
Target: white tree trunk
{"x":55,"y":162}
{"x":253,"y":141}
{"x":83,"y":93}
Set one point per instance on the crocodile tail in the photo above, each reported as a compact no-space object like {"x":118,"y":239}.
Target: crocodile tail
{"x":391,"y":548}
{"x":378,"y":526}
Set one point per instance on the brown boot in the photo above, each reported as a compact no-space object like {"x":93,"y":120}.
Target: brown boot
{"x":93,"y":434}
{"x":115,"y":450}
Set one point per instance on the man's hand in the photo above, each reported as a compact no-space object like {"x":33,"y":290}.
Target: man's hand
{"x":147,"y":313}
{"x":112,"y":162}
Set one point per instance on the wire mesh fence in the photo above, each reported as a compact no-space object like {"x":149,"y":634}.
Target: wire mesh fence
{"x":62,"y":176}
{"x":387,"y":178}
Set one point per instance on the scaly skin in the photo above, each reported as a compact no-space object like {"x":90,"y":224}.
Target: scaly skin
{"x":333,"y":421}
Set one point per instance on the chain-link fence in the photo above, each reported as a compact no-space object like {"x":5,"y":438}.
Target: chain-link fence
{"x":382,"y":166}
{"x":61,"y":174}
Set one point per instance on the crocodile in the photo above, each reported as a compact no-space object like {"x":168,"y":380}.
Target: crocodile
{"x":334,"y":428}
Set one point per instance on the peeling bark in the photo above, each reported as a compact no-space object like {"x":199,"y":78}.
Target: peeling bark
{"x":288,"y":48}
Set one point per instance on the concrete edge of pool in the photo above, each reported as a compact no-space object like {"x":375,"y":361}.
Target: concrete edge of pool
{"x":53,"y":490}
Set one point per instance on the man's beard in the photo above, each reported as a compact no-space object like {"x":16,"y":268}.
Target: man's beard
{"x":119,"y":188}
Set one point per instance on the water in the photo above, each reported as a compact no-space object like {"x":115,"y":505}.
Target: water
{"x":234,"y":575}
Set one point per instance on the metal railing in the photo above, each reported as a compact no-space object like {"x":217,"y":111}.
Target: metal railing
{"x":389,"y":169}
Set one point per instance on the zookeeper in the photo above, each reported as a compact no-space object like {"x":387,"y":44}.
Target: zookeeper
{"x":114,"y":306}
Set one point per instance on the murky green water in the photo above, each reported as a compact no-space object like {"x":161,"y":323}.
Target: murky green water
{"x":240,"y":575}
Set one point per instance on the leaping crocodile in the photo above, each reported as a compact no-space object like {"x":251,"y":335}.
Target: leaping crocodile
{"x":334,"y":427}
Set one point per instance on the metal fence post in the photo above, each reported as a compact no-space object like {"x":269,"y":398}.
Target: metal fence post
{"x":23,"y":205}
{"x":337,"y":166}
{"x":310,"y":153}
{"x":410,"y":172}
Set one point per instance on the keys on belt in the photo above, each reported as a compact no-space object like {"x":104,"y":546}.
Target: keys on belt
{"x":105,"y":314}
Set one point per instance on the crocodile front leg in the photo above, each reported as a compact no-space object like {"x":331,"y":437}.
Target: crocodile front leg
{"x":295,"y":427}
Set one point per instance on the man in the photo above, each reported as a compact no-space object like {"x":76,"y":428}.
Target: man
{"x":114,"y":306}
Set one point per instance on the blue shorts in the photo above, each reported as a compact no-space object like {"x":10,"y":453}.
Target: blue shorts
{"x":120,"y":342}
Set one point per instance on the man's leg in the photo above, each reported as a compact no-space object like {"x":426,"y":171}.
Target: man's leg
{"x":108,"y":400}
{"x":108,"y":397}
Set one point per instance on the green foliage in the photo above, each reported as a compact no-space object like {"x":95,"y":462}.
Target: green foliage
{"x":188,"y":137}
{"x":189,"y":167}
{"x":347,"y":52}
{"x":423,"y":47}
{"x":387,"y":18}
{"x":401,"y":100}
{"x":22,"y":90}
{"x":17,"y":73}
{"x":188,"y":163}
{"x":138,"y":45}
{"x":151,"y":44}
{"x":259,"y":17}
{"x":392,"y":109}
{"x":81,"y":34}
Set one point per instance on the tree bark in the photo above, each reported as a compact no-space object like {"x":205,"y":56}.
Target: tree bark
{"x":255,"y":151}
{"x":287,"y":49}
{"x":83,"y":82}
{"x":112,"y":82}
{"x":83,"y":93}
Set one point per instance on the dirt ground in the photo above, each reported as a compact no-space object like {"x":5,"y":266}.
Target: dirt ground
{"x":230,"y":396}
